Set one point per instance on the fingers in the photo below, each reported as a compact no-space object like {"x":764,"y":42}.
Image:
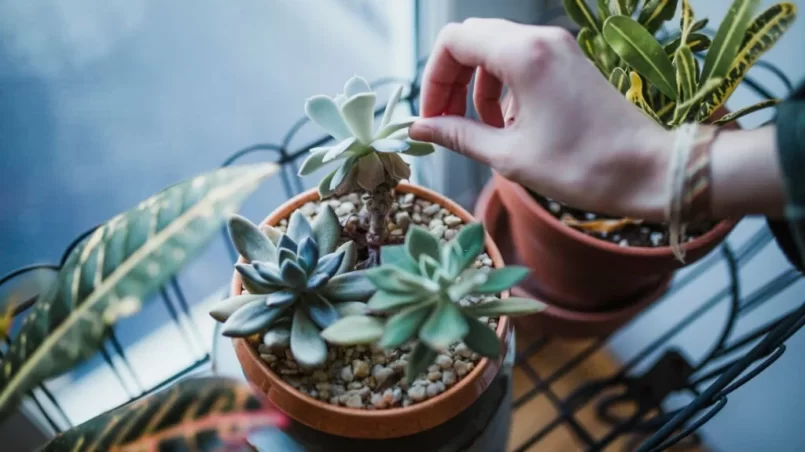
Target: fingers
{"x":474,"y":139}
{"x":486,"y":97}
{"x":459,"y":49}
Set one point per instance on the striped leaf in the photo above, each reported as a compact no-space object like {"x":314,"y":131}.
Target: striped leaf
{"x":603,"y":9}
{"x":635,"y":96}
{"x":696,"y":41}
{"x":582,"y":15}
{"x":686,"y":76}
{"x":641,"y":51}
{"x":728,"y":39}
{"x":686,"y":19}
{"x":620,"y":80}
{"x":728,"y":118}
{"x":761,"y":35}
{"x":681,"y":113}
{"x":655,"y":13}
{"x":665,"y":109}
{"x":110,"y":274}
{"x":198,"y":414}
{"x":585,"y":39}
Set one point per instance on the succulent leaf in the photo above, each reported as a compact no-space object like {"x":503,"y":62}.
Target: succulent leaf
{"x":641,"y":51}
{"x":509,"y":306}
{"x":390,"y":107}
{"x":481,"y":339}
{"x":428,"y":266}
{"x":251,"y":318}
{"x":343,"y":149}
{"x":395,"y":166}
{"x":286,"y":242}
{"x":329,"y":264}
{"x":293,"y":274}
{"x":253,"y":278}
{"x":225,"y":308}
{"x":384,"y":301}
{"x":418,"y":361}
{"x":309,"y":254}
{"x":343,"y":171}
{"x":356,"y":85}
{"x":403,"y":326}
{"x":419,"y":149}
{"x":313,"y":162}
{"x":390,"y":145}
{"x":370,"y":172}
{"x":279,"y":336}
{"x":419,"y":241}
{"x":397,"y":256}
{"x":249,"y":241}
{"x":286,"y":255}
{"x":354,"y":329}
{"x":323,"y":111}
{"x":299,"y":227}
{"x":348,"y":308}
{"x":317,"y":281}
{"x":326,"y":229}
{"x":444,"y":326}
{"x":281,"y":298}
{"x":324,"y":186}
{"x":358,"y":113}
{"x":471,"y":239}
{"x":350,"y":253}
{"x":272,"y":233}
{"x":307,"y":346}
{"x":392,"y":279}
{"x":395,"y":126}
{"x":352,"y":286}
{"x":321,"y":311}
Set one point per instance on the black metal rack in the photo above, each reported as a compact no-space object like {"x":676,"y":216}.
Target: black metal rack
{"x":731,"y":362}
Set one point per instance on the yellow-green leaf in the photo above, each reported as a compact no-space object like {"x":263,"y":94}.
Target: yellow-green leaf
{"x":728,"y":39}
{"x":194,"y":414}
{"x":109,"y":274}
{"x":641,"y":51}
{"x":585,"y":39}
{"x":762,"y":34}
{"x":684,"y":108}
{"x":582,"y":14}
{"x":696,"y":41}
{"x":685,"y":64}
{"x":686,"y":20}
{"x":655,"y":13}
{"x":619,"y":80}
{"x":635,"y":96}
{"x":603,"y":9}
{"x":728,"y":118}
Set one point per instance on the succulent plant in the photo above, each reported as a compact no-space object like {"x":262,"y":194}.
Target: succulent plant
{"x":663,"y":77}
{"x":298,"y":283}
{"x":368,"y":157}
{"x":419,"y":289}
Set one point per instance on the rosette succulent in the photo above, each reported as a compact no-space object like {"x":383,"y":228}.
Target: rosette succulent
{"x":298,"y":283}
{"x":368,"y":157}
{"x":421,"y":291}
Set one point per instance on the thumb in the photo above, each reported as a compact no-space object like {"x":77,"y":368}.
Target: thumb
{"x":463,"y":135}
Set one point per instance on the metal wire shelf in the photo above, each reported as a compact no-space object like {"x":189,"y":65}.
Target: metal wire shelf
{"x":732,"y":361}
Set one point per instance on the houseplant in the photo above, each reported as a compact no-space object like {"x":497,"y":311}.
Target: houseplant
{"x":107,"y":277}
{"x":355,"y":306}
{"x":597,"y":268}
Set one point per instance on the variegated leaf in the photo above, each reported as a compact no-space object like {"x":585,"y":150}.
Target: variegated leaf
{"x":655,"y":13}
{"x":635,"y":96}
{"x":197,"y":414}
{"x":696,"y":41}
{"x":619,"y":80}
{"x":603,"y":9}
{"x":686,"y":80}
{"x":686,"y":20}
{"x":582,"y":14}
{"x":728,"y":39}
{"x":728,"y":118}
{"x":684,"y":109}
{"x":641,"y":51}
{"x":109,"y":274}
{"x":761,"y":35}
{"x":585,"y":39}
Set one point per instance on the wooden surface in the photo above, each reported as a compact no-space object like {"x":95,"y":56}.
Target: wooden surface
{"x":542,"y":409}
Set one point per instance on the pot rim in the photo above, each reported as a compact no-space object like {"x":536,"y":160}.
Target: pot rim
{"x":715,"y":234}
{"x":421,"y":416}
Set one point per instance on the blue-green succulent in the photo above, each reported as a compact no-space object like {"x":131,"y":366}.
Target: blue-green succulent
{"x":298,"y":283}
{"x":367,"y":157}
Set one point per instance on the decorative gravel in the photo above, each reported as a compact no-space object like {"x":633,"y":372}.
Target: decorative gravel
{"x":369,"y":377}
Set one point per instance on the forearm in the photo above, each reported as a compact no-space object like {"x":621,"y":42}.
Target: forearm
{"x":746,"y":175}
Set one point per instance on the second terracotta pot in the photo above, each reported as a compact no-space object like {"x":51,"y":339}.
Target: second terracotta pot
{"x":582,"y":273}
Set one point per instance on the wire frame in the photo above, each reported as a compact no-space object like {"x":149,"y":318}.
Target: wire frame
{"x":742,"y":357}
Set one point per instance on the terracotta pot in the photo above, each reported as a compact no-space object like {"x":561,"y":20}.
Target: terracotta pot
{"x":555,"y":320}
{"x":378,"y":424}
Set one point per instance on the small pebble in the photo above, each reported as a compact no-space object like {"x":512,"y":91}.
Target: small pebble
{"x":346,"y":374}
{"x":444,"y":361}
{"x":452,"y":220}
{"x":381,"y":374}
{"x":449,"y":378}
{"x":434,"y":376}
{"x":438,"y":231}
{"x":486,"y":262}
{"x":623,"y":243}
{"x":433,"y":368}
{"x":379,"y":359}
{"x":360,"y":369}
{"x":338,"y":389}
{"x":463,"y":351}
{"x":334,"y":400}
{"x":554,"y":207}
{"x":355,"y":385}
{"x":323,"y":386}
{"x":378,"y":401}
{"x":431,"y":210}
{"x":417,"y":218}
{"x":309,"y":208}
{"x":434,"y":223}
{"x":353,"y":198}
{"x":315,"y":394}
{"x":589,"y":216}
{"x":345,"y":208}
{"x":417,"y":393}
{"x":397,"y":396}
{"x":388,"y":396}
{"x":462,"y":368}
{"x":408,"y":198}
{"x":396,"y":233}
{"x":399,"y":365}
{"x":449,"y":234}
{"x":354,"y":401}
{"x":324,"y":395}
{"x":656,"y":238}
{"x":435,"y":389}
{"x":269,"y":358}
{"x":320,"y":375}
{"x":402,"y":219}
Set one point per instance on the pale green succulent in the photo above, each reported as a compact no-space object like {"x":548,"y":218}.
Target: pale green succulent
{"x":419,"y":288}
{"x":298,"y":282}
{"x":367,"y":157}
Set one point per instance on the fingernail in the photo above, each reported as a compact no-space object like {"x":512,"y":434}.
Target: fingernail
{"x":421,"y":131}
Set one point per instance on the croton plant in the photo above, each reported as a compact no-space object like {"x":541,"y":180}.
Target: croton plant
{"x":663,"y":76}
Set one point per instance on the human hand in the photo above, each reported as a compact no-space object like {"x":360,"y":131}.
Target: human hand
{"x":563,"y":130}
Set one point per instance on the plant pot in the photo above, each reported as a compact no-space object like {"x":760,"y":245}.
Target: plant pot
{"x":555,"y":320}
{"x":583,"y":273}
{"x":343,"y":422}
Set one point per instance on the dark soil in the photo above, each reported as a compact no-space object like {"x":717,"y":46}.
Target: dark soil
{"x":651,"y":235}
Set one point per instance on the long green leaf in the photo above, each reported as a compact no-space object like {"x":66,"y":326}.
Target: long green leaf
{"x":728,"y":118}
{"x":586,"y":40}
{"x":619,"y":80}
{"x":603,"y":9}
{"x":110,"y":274}
{"x":728,"y":39}
{"x":582,"y":14}
{"x":683,"y":109}
{"x":686,"y":80}
{"x":199,"y":414}
{"x":655,"y":13}
{"x":761,"y":35}
{"x":686,"y":20}
{"x":641,"y":51}
{"x":696,"y":41}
